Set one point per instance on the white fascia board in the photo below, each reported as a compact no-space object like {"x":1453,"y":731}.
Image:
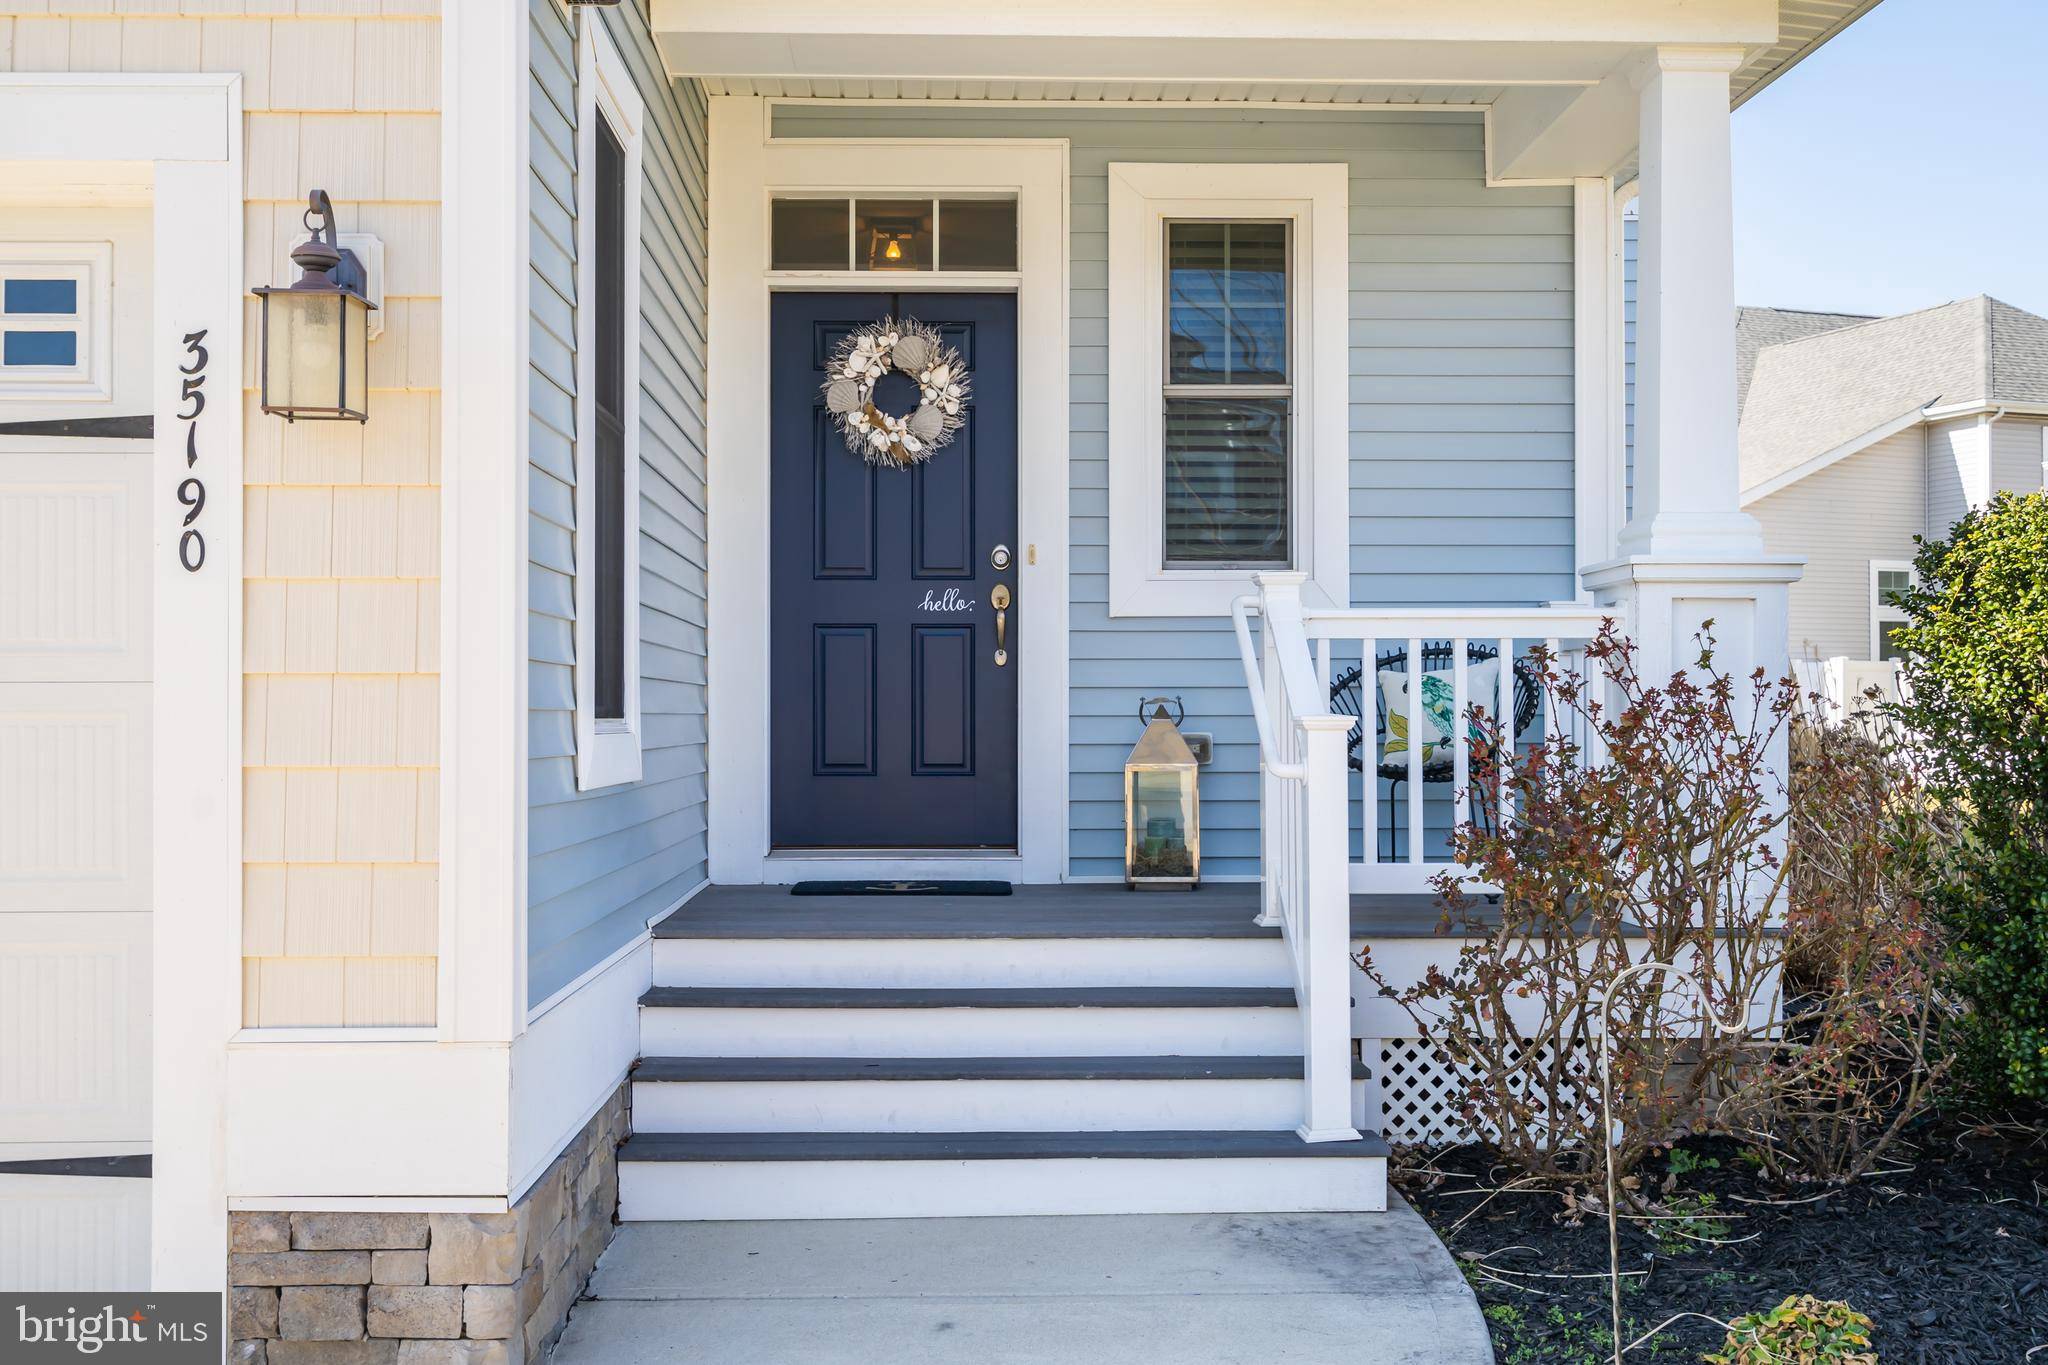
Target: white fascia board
{"x":1138,"y":60}
{"x":1943,"y":412}
{"x":1634,"y":21}
{"x":1910,"y":417}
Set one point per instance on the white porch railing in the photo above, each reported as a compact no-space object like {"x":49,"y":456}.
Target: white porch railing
{"x":1304,"y":819}
{"x":1305,"y":785}
{"x":1362,"y":635}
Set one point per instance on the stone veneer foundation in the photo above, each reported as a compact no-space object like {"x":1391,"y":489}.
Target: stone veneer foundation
{"x":427,"y":1288}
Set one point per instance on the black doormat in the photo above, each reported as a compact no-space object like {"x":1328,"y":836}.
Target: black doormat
{"x":900,"y":888}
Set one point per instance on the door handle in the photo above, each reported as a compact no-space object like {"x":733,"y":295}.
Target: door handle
{"x":999,"y":598}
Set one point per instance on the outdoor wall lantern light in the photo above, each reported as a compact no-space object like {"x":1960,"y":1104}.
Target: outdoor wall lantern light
{"x":1162,"y":815}
{"x":316,"y":333}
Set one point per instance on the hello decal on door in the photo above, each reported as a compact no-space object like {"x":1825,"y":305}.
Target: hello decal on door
{"x":948,"y":601}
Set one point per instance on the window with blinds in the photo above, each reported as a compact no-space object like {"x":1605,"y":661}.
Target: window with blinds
{"x":1228,"y":395}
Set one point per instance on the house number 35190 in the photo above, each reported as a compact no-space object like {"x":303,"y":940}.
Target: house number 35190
{"x":192,"y":491}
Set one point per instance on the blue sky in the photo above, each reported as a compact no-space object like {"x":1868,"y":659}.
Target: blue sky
{"x":1902,"y":165}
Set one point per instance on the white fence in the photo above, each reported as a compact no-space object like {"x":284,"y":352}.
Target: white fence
{"x":1838,"y":690}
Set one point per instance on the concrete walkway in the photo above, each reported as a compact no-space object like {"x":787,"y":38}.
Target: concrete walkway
{"x":1347,"y":1289}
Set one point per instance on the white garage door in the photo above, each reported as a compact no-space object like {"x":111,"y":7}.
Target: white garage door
{"x":74,"y":746}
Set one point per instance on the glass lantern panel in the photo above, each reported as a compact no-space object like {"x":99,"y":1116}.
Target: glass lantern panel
{"x":302,"y":357}
{"x":356,"y":347}
{"x":1162,"y":808}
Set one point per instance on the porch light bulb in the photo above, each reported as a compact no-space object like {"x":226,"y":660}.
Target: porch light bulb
{"x":894,"y":251}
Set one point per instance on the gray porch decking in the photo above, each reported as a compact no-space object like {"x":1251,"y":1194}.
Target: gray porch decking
{"x":1074,"y":910}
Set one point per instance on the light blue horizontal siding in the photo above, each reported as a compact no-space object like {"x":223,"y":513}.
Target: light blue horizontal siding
{"x":601,"y":862}
{"x":1461,"y":410}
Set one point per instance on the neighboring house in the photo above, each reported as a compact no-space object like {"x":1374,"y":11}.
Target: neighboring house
{"x":375,"y":794}
{"x":1860,"y":433}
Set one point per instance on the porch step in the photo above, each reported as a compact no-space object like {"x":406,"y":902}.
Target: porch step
{"x":1060,"y":1050}
{"x":705,"y":1176}
{"x":956,"y":959}
{"x":1042,"y":935}
{"x":968,"y":1094}
{"x":1019,"y":1021}
{"x":973,"y":997}
{"x":1170,"y":1068}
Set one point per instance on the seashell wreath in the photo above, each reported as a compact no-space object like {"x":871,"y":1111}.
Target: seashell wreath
{"x":910,"y":348}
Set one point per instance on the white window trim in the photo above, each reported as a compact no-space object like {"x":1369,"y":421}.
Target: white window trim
{"x":91,"y":380}
{"x":1314,"y":199}
{"x":607,"y":751}
{"x":1880,"y":614}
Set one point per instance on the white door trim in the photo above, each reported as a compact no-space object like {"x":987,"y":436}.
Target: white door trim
{"x":747,"y":167}
{"x":184,"y":134}
{"x":1598,"y":448}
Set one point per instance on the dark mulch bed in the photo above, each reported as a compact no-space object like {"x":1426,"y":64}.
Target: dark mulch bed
{"x":1947,"y":1252}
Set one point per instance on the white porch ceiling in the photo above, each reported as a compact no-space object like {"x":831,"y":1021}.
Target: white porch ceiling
{"x":1114,"y":52}
{"x":1554,"y":76}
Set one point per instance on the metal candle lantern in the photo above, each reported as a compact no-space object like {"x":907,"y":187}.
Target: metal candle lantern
{"x":316,"y":359}
{"x":1162,"y":814}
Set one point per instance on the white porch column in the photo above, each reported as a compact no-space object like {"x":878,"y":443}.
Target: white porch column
{"x":1687,"y":491}
{"x":1690,"y":554}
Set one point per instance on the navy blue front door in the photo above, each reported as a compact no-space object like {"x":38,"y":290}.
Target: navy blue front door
{"x":893,"y":725}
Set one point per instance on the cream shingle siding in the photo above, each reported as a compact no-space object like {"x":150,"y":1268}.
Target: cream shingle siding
{"x":341,"y":555}
{"x":1868,"y":506}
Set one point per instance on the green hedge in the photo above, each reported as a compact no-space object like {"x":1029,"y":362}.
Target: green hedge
{"x":1976,"y":668}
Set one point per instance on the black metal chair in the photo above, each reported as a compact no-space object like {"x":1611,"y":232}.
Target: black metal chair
{"x":1347,"y":698}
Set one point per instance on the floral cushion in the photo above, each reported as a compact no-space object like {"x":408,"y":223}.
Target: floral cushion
{"x":1482,"y":688}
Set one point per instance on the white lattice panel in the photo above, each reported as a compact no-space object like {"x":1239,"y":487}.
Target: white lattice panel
{"x":1417,"y":1094}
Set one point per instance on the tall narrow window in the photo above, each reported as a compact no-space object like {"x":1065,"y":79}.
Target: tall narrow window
{"x":609,"y":398}
{"x":607,"y":626}
{"x":1888,"y":582}
{"x":1228,"y":397}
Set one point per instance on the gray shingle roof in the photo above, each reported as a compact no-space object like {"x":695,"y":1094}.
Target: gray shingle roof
{"x":1803,"y":395}
{"x":2019,"y":355}
{"x":1756,"y":328}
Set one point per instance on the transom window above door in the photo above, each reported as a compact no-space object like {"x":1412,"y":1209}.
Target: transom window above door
{"x":54,"y":305}
{"x":894,"y":234}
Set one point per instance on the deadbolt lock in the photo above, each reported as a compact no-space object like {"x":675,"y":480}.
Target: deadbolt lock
{"x":999,"y":558}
